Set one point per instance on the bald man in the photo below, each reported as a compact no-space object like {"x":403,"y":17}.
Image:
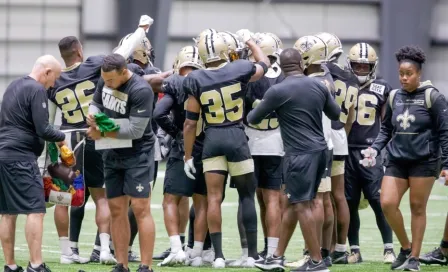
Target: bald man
{"x":298,"y":102}
{"x":24,"y":128}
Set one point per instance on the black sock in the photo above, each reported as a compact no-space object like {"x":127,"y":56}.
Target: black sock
{"x":265,"y":244}
{"x":97,"y":239}
{"x":217,"y":244}
{"x":381,"y":222}
{"x":182,"y":239}
{"x":191,"y":228}
{"x":325,"y":252}
{"x":354,"y":225}
{"x":76,"y":218}
{"x":207,"y":242}
{"x":134,"y":226}
{"x":444,"y":244}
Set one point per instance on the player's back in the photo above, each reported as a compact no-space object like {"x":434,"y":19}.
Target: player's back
{"x":173,"y":86}
{"x":367,"y":120}
{"x":74,"y":90}
{"x":221,"y":92}
{"x":346,"y":92}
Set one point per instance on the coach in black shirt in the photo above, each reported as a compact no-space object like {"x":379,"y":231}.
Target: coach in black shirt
{"x":127,"y":98}
{"x":24,"y":128}
{"x":299,"y":102}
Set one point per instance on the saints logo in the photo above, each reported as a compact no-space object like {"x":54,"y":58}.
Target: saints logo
{"x":405,"y":119}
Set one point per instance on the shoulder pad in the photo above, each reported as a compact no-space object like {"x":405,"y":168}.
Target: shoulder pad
{"x":391,"y":97}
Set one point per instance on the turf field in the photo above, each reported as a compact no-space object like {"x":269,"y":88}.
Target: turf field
{"x":371,"y":244}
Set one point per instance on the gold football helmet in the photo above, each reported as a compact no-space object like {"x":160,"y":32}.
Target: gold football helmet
{"x":187,"y":56}
{"x":234,"y":44}
{"x":276,"y":38}
{"x":203,"y":34}
{"x":213,"y":47}
{"x":362,"y":60}
{"x":269,"y":44}
{"x":333,"y":43}
{"x":143,"y":53}
{"x":313,"y":50}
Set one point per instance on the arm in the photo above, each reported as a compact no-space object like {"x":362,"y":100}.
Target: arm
{"x":271,"y":101}
{"x":39,"y":112}
{"x":128,"y":46}
{"x":439,"y":114}
{"x":156,"y":80}
{"x":350,"y":120}
{"x":191,"y":120}
{"x":260,"y":57}
{"x":162,"y":115}
{"x":331,"y":108}
{"x":52,"y":108}
{"x":386,"y":131}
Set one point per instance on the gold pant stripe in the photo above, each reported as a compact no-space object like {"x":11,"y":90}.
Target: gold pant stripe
{"x":215,"y":163}
{"x":241,"y":168}
{"x":325,"y":185}
{"x":337,"y":168}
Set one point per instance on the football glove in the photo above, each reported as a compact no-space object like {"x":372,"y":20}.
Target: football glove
{"x":145,"y":20}
{"x":369,"y":157}
{"x":189,"y":168}
{"x":245,"y":35}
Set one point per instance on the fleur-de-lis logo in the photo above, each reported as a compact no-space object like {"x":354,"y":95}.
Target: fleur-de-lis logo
{"x":139,"y":188}
{"x":405,"y":119}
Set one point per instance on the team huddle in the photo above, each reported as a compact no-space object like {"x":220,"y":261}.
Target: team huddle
{"x":290,"y":126}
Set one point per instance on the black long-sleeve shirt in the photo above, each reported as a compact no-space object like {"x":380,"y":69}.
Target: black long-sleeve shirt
{"x":299,"y":102}
{"x":24,"y":125}
{"x":411,"y":130}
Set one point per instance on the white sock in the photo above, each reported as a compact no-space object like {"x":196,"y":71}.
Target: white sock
{"x":389,"y":246}
{"x":64,"y":244}
{"x":175,"y":243}
{"x":272,"y":245}
{"x":340,"y":248}
{"x":13,"y":266}
{"x":245,"y":252}
{"x":197,"y":249}
{"x":37,"y":265}
{"x":95,"y":247}
{"x":104,"y":241}
{"x":74,"y":244}
{"x":354,"y":247}
{"x":129,"y":248}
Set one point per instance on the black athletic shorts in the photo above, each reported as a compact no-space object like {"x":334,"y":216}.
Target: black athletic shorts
{"x":177,"y":183}
{"x":129,"y":176}
{"x":226,"y":149}
{"x":21,"y":188}
{"x":303,"y":174}
{"x":268,"y":171}
{"x":362,"y":179}
{"x":405,"y":169}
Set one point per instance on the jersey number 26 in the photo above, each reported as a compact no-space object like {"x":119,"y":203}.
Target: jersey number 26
{"x":75,"y":103}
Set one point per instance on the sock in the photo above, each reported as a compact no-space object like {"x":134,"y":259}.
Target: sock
{"x":191,"y":229}
{"x":355,"y":224}
{"x":37,"y":265}
{"x":64,"y":244}
{"x":244,"y":252}
{"x":175,"y":243}
{"x":97,"y":248}
{"x":111,"y":246}
{"x":217,"y":244}
{"x":13,"y":266}
{"x":381,"y":222}
{"x":207,"y":242}
{"x":340,"y":248}
{"x":354,"y":248}
{"x":272,"y":244}
{"x":444,"y":244}
{"x":325,"y":252}
{"x":197,"y":249}
{"x":182,"y":238}
{"x":389,"y":246}
{"x":105,"y":241}
{"x":129,"y":248}
{"x":265,"y":244}
{"x":97,"y":239}
{"x":73,"y":244}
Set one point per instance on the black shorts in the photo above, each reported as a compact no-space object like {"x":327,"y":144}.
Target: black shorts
{"x":268,"y":172}
{"x":177,"y":183}
{"x":327,"y":172}
{"x":129,"y":176}
{"x":21,"y":188}
{"x":362,"y":179}
{"x":303,"y":174}
{"x":405,"y":169}
{"x":226,"y":149}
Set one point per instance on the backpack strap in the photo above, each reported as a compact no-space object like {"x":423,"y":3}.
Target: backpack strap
{"x":428,"y":101}
{"x":391,"y":98}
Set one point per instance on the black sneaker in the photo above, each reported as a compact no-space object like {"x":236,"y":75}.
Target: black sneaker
{"x":133,"y":257}
{"x":401,"y":260}
{"x":95,"y":256}
{"x":162,"y":255}
{"x":272,"y":263}
{"x":327,"y":261}
{"x":262,"y":254}
{"x":42,"y":268}
{"x":412,"y":265}
{"x":434,"y":257}
{"x":339,"y":257}
{"x":312,"y":266}
{"x":144,"y":268}
{"x":120,"y":268}
{"x":18,"y":269}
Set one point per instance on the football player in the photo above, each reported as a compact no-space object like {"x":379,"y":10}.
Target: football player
{"x":219,"y":92}
{"x":362,"y":60}
{"x":266,"y":146}
{"x":72,"y":94}
{"x":177,"y":185}
{"x":314,"y":54}
{"x":346,"y":85}
{"x":440,"y":254}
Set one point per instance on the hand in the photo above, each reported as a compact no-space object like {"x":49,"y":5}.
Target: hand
{"x":369,"y":157}
{"x":145,"y":22}
{"x":91,"y":121}
{"x":59,"y":144}
{"x":93,"y":133}
{"x":189,"y":168}
{"x":245,"y":35}
{"x":444,"y":174}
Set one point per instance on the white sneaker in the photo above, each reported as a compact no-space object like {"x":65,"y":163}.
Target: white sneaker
{"x":238,"y":262}
{"x":174,"y":258}
{"x":195,"y":262}
{"x":107,"y":258}
{"x":300,"y":262}
{"x":219,"y":263}
{"x":208,"y":256}
{"x":72,"y":259}
{"x":249,"y":263}
{"x":389,"y":257}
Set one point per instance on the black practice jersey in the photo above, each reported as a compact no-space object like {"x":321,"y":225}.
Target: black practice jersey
{"x":368,"y":111}
{"x":221,"y":92}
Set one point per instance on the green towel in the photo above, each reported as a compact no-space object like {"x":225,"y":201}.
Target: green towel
{"x":60,"y":184}
{"x":105,"y":123}
{"x":53,"y":152}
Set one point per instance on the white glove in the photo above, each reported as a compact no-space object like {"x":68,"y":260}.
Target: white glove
{"x":145,"y":22}
{"x":189,"y":168}
{"x":369,"y":157}
{"x":245,"y":35}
